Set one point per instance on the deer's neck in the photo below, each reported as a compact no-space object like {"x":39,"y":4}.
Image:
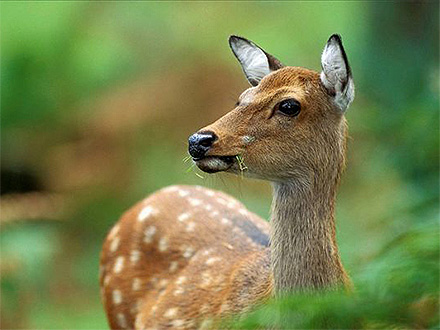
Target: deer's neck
{"x":303,"y":243}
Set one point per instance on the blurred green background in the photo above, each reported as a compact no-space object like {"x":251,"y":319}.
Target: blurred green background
{"x":97,"y":102}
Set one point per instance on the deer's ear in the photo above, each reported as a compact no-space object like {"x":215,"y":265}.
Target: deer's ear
{"x":336,"y":73}
{"x":256,"y":63}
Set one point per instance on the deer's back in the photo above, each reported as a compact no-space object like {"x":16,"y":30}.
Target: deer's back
{"x":181,"y":255}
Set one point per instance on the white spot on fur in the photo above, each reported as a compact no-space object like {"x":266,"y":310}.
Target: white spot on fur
{"x":183,"y":193}
{"x":180,"y":280}
{"x":173,"y":266}
{"x":115,"y":244}
{"x":178,"y":323}
{"x":114,"y":231}
{"x":212,"y":260}
{"x":228,"y":246}
{"x":119,"y":264}
{"x":163,"y":283}
{"x":208,"y":207}
{"x":207,"y":252}
{"x":121,"y":320}
{"x":243,"y":211}
{"x":149,"y":233}
{"x":210,"y":193}
{"x":145,"y":213}
{"x":106,"y":280}
{"x":135,"y":255}
{"x":190,"y":226}
{"x":171,"y":312}
{"x":221,"y":201}
{"x":188,"y":252}
{"x":225,"y":221}
{"x":194,"y":201}
{"x":117,"y":297}
{"x":163,"y":244}
{"x":214,"y":213}
{"x":182,"y":217}
{"x":178,"y":291}
{"x":136,"y":285}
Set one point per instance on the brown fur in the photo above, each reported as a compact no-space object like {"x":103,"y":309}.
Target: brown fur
{"x":303,"y":157}
{"x":206,"y":288}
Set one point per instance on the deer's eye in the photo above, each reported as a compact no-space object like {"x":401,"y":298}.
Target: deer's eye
{"x":289,"y":107}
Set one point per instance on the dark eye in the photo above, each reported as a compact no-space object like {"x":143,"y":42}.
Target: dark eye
{"x":289,"y":107}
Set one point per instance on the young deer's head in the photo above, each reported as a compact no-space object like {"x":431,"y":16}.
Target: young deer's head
{"x":288,"y":126}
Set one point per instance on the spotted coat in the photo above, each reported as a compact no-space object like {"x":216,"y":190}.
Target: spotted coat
{"x":182,"y":258}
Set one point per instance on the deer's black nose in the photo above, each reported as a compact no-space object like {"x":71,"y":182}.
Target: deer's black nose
{"x":200,"y":143}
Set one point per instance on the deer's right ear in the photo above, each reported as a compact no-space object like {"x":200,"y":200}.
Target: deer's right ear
{"x":336,"y":73}
{"x":255,"y":62}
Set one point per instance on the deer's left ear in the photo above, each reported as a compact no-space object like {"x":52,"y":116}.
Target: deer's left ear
{"x":255,"y":62}
{"x":336,"y":73}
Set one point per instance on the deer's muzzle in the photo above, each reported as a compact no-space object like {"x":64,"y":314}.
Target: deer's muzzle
{"x":199,"y":144}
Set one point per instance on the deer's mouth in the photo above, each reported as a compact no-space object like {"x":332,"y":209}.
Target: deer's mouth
{"x":213,"y":164}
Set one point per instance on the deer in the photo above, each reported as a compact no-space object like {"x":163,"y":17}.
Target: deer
{"x":188,"y":256}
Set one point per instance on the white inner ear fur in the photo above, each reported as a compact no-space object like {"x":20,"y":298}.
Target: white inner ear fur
{"x":252,"y":59}
{"x":335,"y":76}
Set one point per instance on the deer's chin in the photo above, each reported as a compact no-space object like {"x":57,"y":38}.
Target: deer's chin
{"x":213,"y":164}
